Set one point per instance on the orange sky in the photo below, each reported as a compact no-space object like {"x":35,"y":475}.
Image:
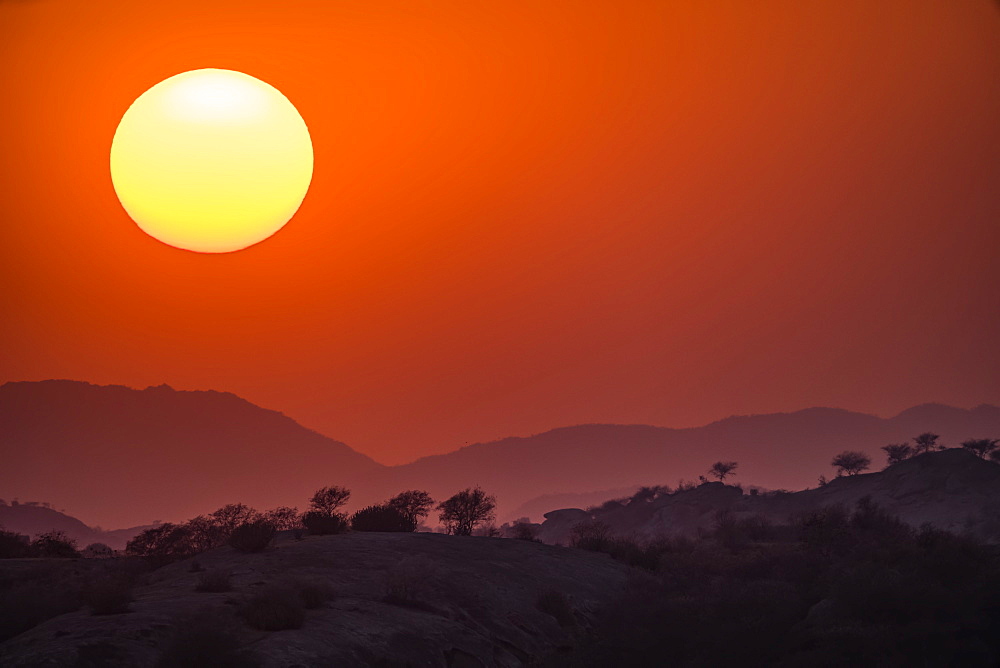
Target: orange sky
{"x":526,"y":215}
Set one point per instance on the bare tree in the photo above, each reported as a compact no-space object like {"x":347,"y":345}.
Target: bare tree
{"x":897,"y":452}
{"x":413,"y":504}
{"x":232,"y":515}
{"x":925,"y":443}
{"x":328,"y":499}
{"x":721,"y":469}
{"x":981,"y":447}
{"x":469,"y":508}
{"x":851,"y":462}
{"x":282,"y":518}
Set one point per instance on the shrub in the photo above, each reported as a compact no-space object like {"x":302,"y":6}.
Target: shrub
{"x":592,"y":535}
{"x":274,"y":609}
{"x":525,"y":531}
{"x":54,"y":544}
{"x":98,"y":551}
{"x":109,"y":596}
{"x":382,"y":518}
{"x":252,"y":536}
{"x":213,"y":582}
{"x":556,"y":604}
{"x":13,"y":545}
{"x":318,"y":523}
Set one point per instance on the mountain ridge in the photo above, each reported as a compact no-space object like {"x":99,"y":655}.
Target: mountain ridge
{"x":124,"y":457}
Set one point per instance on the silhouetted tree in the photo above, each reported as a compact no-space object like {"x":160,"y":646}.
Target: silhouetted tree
{"x":166,"y":541}
{"x":981,"y":447}
{"x":897,"y":452}
{"x":464,"y":511}
{"x":925,"y":443}
{"x":721,"y":469}
{"x":282,"y":518}
{"x":329,"y":499}
{"x":413,"y":504}
{"x":204,"y":533}
{"x":851,"y":462}
{"x":232,"y":515}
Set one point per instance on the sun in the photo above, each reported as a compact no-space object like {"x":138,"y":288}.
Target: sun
{"x":211,"y":161}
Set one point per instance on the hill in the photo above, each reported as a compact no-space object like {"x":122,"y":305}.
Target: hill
{"x":782,"y":450}
{"x":952,"y":490}
{"x":121,"y":457}
{"x":398,"y":599}
{"x":31,"y":519}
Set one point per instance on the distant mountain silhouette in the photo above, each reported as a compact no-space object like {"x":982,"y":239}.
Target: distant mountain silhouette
{"x":781,"y":450}
{"x":31,"y":519}
{"x":952,"y":490}
{"x":123,"y":457}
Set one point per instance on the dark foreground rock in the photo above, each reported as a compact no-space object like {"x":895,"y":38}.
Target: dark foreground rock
{"x":397,"y":599}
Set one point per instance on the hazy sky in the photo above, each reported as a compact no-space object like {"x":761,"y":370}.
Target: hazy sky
{"x":526,"y":215}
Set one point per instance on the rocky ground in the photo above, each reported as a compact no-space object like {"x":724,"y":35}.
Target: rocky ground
{"x":397,"y":600}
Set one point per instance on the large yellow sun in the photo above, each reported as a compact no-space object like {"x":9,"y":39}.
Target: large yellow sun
{"x":211,"y":160}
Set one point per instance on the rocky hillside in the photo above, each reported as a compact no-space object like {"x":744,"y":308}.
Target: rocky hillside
{"x":397,"y":599}
{"x":951,"y":489}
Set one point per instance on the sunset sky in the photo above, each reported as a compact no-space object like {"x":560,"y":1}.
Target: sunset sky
{"x":527,"y":215}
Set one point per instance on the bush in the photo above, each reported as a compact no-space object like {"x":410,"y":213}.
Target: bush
{"x":110,"y":596}
{"x":252,"y":536}
{"x":382,"y":518}
{"x":98,"y":551}
{"x":318,"y":523}
{"x":54,"y":544}
{"x":274,"y":609}
{"x":525,"y":531}
{"x":13,"y":545}
{"x":213,"y":582}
